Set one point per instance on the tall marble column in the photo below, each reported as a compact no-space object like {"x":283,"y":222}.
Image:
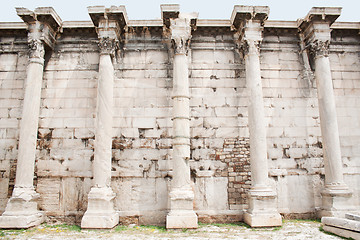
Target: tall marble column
{"x":181,"y":213}
{"x":316,"y":29}
{"x":100,"y":212}
{"x":21,"y":210}
{"x":262,"y":209}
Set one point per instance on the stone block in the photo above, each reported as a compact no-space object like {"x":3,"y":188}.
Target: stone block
{"x":144,"y":122}
{"x":226,"y":111}
{"x":336,"y":202}
{"x":9,"y":123}
{"x":206,"y":190}
{"x":100,"y":213}
{"x":218,"y":101}
{"x":342,"y":232}
{"x":21,"y":221}
{"x":181,"y":220}
{"x":262,"y":210}
{"x":352,"y":216}
{"x":227,"y":132}
{"x":342,"y":227}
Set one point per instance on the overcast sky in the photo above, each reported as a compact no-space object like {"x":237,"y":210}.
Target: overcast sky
{"x":75,"y":10}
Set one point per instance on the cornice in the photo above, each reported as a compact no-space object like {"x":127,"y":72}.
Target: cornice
{"x":200,"y":23}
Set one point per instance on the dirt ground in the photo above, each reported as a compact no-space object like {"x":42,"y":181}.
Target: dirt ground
{"x":291,"y":229}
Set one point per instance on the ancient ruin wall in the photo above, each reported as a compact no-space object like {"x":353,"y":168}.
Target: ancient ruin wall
{"x":142,"y":149}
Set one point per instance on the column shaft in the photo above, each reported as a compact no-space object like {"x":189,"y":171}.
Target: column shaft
{"x":29,"y":124}
{"x":258,"y":152}
{"x":104,"y":120}
{"x":21,"y":210}
{"x":181,"y":128}
{"x":316,"y":33}
{"x":262,"y":209}
{"x":100,"y":212}
{"x":336,"y":196}
{"x":181,"y":213}
{"x":329,"y":125}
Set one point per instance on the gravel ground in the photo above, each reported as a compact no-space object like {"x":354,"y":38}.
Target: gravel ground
{"x":292,"y":229}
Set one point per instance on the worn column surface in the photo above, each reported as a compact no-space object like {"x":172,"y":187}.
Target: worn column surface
{"x":262,"y":209}
{"x":316,"y":27}
{"x":181,"y":213}
{"x":100,"y":212}
{"x":21,"y":210}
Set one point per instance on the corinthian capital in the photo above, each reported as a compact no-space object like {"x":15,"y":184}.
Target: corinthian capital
{"x":319,"y":48}
{"x":181,"y":45}
{"x":36,"y":48}
{"x":108,"y":45}
{"x":249,"y":46}
{"x":180,"y":34}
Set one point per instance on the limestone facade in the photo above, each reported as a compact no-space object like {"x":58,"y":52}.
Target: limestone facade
{"x":179,"y":119}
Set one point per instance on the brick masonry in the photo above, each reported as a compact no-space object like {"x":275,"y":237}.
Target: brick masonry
{"x":236,"y":155}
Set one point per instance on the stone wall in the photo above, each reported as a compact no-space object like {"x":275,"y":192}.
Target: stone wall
{"x":142,"y":129}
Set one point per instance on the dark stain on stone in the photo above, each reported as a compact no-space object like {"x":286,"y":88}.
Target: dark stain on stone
{"x":121,"y":144}
{"x":285,"y":153}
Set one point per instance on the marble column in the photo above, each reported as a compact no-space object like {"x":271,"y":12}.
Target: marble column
{"x":316,"y":27}
{"x":262,"y":209}
{"x":100,"y":212}
{"x":181,"y":213}
{"x":21,"y":210}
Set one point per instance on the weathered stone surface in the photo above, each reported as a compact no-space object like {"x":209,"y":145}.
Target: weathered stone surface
{"x":140,"y":159}
{"x":342,"y":227}
{"x":352,"y":216}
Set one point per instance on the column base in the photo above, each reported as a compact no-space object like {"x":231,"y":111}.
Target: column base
{"x":262,"y":210}
{"x":21,"y":210}
{"x":100,"y":213}
{"x":336,"y":202}
{"x":181,"y":214}
{"x":181,"y":219}
{"x":21,"y":221}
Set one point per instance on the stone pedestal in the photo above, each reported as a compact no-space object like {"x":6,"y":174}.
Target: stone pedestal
{"x":316,"y":29}
{"x":262,"y":211}
{"x":181,"y":213}
{"x":336,"y":202}
{"x":100,"y":212}
{"x":21,"y":210}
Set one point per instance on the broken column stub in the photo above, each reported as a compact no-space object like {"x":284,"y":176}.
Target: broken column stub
{"x":315,"y":27}
{"x":100,"y":213}
{"x":262,"y":211}
{"x":21,"y":210}
{"x":181,"y":213}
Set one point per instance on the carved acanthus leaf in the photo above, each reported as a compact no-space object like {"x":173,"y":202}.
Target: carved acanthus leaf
{"x":180,"y":35}
{"x":181,"y":45}
{"x":36,"y":48}
{"x":249,"y":46}
{"x":319,"y":48}
{"x":108,"y":45}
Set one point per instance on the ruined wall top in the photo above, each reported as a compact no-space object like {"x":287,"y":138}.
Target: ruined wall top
{"x":171,"y":11}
